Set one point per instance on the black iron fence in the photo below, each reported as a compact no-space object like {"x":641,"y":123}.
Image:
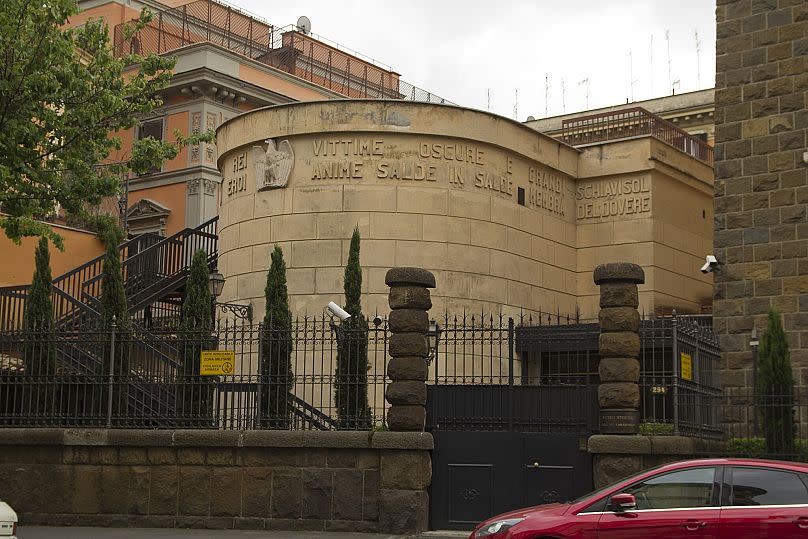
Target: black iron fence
{"x":533,"y":374}
{"x":496,"y":373}
{"x":765,"y":426}
{"x":259,"y":377}
{"x":540,"y":374}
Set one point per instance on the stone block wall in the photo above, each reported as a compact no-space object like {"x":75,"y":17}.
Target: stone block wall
{"x":313,"y":481}
{"x":761,"y":192}
{"x":615,"y":457}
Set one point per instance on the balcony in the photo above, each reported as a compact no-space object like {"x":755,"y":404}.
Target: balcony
{"x":631,"y":123}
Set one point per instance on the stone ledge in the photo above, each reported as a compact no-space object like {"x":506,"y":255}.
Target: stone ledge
{"x":135,"y":437}
{"x":43,"y":436}
{"x":615,"y":444}
{"x":619,"y":444}
{"x":215,"y":438}
{"x":402,"y":440}
{"x":206,"y":438}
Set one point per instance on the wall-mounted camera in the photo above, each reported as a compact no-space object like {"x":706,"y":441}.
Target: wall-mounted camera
{"x":335,"y":310}
{"x":712,"y":264}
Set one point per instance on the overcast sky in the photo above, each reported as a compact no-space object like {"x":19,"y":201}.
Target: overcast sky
{"x":462,"y":49}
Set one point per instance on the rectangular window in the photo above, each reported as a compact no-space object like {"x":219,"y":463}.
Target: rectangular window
{"x":760,"y":486}
{"x":154,"y":129}
{"x":520,"y":196}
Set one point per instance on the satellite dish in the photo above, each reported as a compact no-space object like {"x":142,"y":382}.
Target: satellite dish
{"x":304,"y":24}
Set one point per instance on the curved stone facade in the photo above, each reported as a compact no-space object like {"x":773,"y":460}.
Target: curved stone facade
{"x":488,"y":205}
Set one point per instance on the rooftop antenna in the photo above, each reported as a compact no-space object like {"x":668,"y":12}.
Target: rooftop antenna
{"x":676,"y":84}
{"x":546,"y":95}
{"x":652,"y":64}
{"x":488,"y":96}
{"x":515,"y":103}
{"x":668,"y":40}
{"x":698,"y":55}
{"x":586,"y":82}
{"x":631,"y":80}
{"x":563,"y":97}
{"x":304,"y":24}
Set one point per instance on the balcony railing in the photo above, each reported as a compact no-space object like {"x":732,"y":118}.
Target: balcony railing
{"x":629,"y":123}
{"x":324,"y":64}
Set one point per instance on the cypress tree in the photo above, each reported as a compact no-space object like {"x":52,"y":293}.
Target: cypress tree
{"x":39,"y":353}
{"x":114,"y":309}
{"x":351,"y":387}
{"x":775,"y":387}
{"x":196,"y":392}
{"x":276,"y":348}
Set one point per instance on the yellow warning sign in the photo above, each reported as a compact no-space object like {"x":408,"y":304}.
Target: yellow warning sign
{"x":687,"y":366}
{"x":216,"y":362}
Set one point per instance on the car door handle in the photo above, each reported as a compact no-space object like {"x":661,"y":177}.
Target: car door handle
{"x":694,"y":525}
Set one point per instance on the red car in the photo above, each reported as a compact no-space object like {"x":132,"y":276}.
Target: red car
{"x":699,"y":499}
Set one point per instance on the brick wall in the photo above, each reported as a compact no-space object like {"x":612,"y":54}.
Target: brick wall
{"x":761,"y":231}
{"x":313,"y":481}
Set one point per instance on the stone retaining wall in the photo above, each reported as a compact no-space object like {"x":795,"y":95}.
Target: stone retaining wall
{"x":340,"y":481}
{"x":615,"y":457}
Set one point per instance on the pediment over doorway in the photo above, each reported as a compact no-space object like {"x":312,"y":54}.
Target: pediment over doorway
{"x":146,"y":208}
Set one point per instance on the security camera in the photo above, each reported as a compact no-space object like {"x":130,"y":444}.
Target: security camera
{"x":335,"y":310}
{"x":711,"y":264}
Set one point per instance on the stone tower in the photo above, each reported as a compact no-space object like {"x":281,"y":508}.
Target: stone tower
{"x":761,"y":231}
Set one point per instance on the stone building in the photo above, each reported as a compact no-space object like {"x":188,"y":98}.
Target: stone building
{"x":761,"y":232}
{"x":227,"y":62}
{"x":506,"y":218}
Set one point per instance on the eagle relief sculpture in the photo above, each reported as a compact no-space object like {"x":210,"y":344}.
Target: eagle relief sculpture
{"x":273,"y":165}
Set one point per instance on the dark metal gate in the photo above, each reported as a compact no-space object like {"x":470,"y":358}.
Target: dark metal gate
{"x":478,"y":474}
{"x":510,"y":422}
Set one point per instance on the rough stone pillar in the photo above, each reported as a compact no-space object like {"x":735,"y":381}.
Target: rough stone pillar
{"x":619,"y":369}
{"x":409,"y":322}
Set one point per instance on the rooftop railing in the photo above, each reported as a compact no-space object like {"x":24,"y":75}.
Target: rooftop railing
{"x":323,"y":63}
{"x":629,"y":123}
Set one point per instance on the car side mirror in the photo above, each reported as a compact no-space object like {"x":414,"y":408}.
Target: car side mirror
{"x":623,"y":502}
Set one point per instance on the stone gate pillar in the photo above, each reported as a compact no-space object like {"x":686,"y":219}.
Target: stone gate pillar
{"x":409,"y":322}
{"x":619,"y":369}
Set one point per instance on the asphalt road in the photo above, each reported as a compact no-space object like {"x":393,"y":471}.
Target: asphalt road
{"x":40,"y":532}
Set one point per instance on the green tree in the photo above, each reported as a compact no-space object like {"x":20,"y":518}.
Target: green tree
{"x":351,"y":386}
{"x":63,"y":96}
{"x":276,"y":348}
{"x":775,"y":388}
{"x":39,"y":353}
{"x":115,"y":313}
{"x":196,"y":392}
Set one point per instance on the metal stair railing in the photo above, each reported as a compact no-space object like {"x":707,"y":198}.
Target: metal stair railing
{"x":153,"y":269}
{"x":85,"y":280}
{"x":311,"y":415}
{"x":83,"y":355}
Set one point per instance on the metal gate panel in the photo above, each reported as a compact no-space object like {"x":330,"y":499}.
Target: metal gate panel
{"x":478,"y":474}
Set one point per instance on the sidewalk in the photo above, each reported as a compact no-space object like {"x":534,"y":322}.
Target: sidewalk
{"x":42,"y":532}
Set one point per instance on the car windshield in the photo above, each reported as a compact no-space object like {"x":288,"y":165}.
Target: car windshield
{"x":598,"y":492}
